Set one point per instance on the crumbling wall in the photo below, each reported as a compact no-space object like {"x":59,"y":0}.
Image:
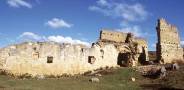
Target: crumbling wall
{"x":112,"y":36}
{"x":142,"y":49}
{"x":49,"y":58}
{"x":131,"y":50}
{"x":168,"y":45}
{"x":141,"y":42}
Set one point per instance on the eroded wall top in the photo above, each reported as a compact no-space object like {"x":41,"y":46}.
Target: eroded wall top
{"x":167,"y":33}
{"x":168,"y":45}
{"x":112,"y":36}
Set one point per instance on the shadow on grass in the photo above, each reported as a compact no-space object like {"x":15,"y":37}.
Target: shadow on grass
{"x":157,"y":87}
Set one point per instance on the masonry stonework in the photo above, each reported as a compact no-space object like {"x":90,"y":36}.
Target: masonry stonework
{"x":168,"y":45}
{"x":132,"y":50}
{"x":50,"y":58}
{"x":112,"y":36}
{"x":112,"y":49}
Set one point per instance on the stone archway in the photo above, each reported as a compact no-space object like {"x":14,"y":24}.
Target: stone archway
{"x":122,"y":59}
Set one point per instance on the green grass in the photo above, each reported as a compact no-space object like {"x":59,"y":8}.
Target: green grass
{"x":119,"y":79}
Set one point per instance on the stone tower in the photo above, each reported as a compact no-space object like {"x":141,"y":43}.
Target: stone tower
{"x":168,"y":45}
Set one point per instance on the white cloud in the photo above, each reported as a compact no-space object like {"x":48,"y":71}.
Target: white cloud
{"x":19,"y":3}
{"x":61,"y":39}
{"x":182,"y":43}
{"x":134,"y":29}
{"x":103,"y":3}
{"x":58,"y":23}
{"x":128,"y":12}
{"x":153,"y":45}
{"x":29,"y":36}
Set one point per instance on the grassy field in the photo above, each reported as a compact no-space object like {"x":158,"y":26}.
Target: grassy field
{"x":119,"y":79}
{"x":111,"y":79}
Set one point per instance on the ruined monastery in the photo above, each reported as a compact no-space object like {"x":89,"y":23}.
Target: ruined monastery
{"x":112,"y":49}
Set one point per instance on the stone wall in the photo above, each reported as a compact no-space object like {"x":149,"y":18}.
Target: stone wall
{"x":126,"y":43}
{"x":141,"y":42}
{"x":143,"y":46}
{"x":112,"y":36}
{"x":168,"y":45}
{"x":49,"y":58}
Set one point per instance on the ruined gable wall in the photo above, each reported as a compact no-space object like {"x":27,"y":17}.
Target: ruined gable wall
{"x":168,"y":46}
{"x":106,"y":35}
{"x":124,"y":47}
{"x":142,"y":47}
{"x":67,"y":59}
{"x":141,"y":42}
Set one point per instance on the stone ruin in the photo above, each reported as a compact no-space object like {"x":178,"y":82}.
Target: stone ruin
{"x":113,"y":49}
{"x":132,"y":50}
{"x":51,"y":58}
{"x":169,"y":51}
{"x":168,"y":46}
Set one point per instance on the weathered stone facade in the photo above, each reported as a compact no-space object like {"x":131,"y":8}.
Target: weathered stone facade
{"x":111,"y":50}
{"x":168,"y":45}
{"x":112,"y":36}
{"x":132,"y":50}
{"x":49,"y":58}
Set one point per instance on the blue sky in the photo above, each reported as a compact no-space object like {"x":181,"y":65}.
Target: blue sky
{"x":80,"y":21}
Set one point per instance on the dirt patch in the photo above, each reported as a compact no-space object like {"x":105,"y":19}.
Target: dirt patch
{"x":157,"y":86}
{"x":106,"y":71}
{"x":2,"y":87}
{"x":174,"y":80}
